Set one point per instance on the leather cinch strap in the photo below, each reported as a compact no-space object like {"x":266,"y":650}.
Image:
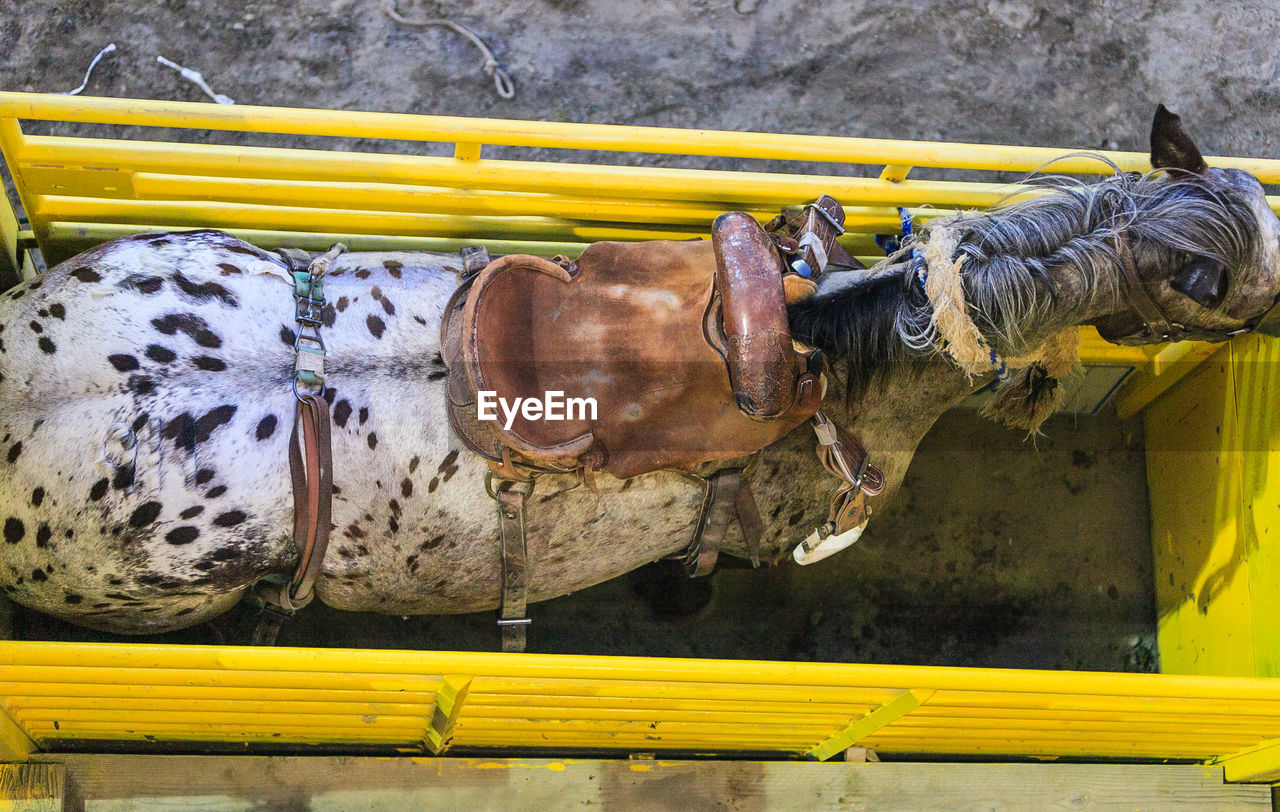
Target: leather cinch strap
{"x":310,"y":452}
{"x":728,"y":496}
{"x":512,"y":617}
{"x":311,"y":466}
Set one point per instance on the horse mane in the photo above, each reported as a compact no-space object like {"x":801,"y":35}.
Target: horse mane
{"x":879,"y":325}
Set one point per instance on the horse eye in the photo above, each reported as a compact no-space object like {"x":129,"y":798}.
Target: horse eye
{"x":1204,"y":280}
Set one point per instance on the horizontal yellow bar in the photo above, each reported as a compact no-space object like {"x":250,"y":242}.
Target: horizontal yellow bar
{"x":81,"y":236}
{"x":404,"y":198}
{"x":145,"y":718}
{"x":179,"y":732}
{"x":556,"y":135}
{"x":55,"y":692}
{"x":762,"y":189}
{"x":119,"y":662}
{"x":518,"y":727}
{"x":214,"y":676}
{"x":28,"y":708}
{"x":210,"y":214}
{"x":1136,"y":729}
{"x":1152,"y":741}
{"x":1137,"y":717}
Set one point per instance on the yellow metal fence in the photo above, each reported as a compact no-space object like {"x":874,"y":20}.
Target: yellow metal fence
{"x":78,"y":191}
{"x":61,"y":696}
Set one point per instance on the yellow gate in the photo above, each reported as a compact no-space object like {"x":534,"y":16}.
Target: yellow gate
{"x":431,"y":188}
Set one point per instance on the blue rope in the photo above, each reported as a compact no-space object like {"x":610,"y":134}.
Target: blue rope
{"x":890,"y":243}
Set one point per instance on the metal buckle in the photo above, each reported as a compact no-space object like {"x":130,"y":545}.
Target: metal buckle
{"x":308,"y":292}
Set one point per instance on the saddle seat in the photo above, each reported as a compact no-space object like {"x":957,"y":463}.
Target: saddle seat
{"x":683,"y":347}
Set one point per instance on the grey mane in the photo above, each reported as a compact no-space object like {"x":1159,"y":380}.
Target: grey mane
{"x":879,"y":325}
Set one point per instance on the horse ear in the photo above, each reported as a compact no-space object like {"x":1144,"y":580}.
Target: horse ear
{"x":1171,"y":147}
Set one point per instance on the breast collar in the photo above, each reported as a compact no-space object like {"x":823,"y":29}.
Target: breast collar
{"x":1156,"y":326}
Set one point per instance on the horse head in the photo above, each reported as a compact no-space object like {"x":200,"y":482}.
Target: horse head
{"x":1198,"y":248}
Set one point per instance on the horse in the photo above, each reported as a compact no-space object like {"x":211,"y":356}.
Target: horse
{"x":146,"y":400}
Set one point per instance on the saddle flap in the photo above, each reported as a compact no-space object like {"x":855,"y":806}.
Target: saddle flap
{"x":513,"y":352}
{"x":680,"y":362}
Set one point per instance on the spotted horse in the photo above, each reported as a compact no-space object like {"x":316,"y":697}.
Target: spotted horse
{"x":146,"y":405}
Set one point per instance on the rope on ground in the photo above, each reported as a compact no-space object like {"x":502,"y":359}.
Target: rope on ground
{"x":501,"y":80}
{"x":195,"y":77}
{"x":109,"y":49}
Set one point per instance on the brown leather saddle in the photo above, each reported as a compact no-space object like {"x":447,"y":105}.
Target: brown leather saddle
{"x":674,"y":354}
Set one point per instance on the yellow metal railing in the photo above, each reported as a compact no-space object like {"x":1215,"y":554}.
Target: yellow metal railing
{"x":62,"y":696}
{"x":79,"y":191}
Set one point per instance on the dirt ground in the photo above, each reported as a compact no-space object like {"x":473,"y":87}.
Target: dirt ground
{"x":1041,"y":561}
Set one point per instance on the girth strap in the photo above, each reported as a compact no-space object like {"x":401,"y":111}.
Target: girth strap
{"x":310,"y":452}
{"x":512,"y":617}
{"x":727,"y":496}
{"x":311,"y":467}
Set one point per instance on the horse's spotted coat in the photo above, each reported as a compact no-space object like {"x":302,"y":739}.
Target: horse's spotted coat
{"x":145,"y":426}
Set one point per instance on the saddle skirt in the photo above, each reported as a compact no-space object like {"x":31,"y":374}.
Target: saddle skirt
{"x":682,"y":347}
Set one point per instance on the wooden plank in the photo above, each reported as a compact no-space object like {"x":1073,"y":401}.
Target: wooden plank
{"x":31,"y":787}
{"x":102,"y":782}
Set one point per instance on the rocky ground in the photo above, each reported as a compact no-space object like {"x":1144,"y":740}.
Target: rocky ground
{"x":1043,"y":562}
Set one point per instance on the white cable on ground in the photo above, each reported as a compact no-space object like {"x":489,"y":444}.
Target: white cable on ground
{"x":110,"y":48}
{"x":195,"y":77}
{"x":501,"y":80}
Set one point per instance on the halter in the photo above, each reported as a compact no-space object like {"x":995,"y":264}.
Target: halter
{"x":1156,"y":326}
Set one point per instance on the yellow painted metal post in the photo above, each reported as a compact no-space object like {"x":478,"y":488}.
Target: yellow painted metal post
{"x":1205,"y":625}
{"x":1259,"y":763}
{"x":449,"y":700}
{"x":1213,"y":450}
{"x":859,"y":729}
{"x":15,"y":744}
{"x":10,"y":259}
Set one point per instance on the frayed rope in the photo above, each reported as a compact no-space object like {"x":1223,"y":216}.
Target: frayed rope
{"x":1026,"y":399}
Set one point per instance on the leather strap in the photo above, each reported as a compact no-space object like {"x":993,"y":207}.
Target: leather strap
{"x":844,"y":457}
{"x":311,"y":466}
{"x":1139,"y":299}
{"x":749,"y":520}
{"x":713,"y":522}
{"x":728,"y":495}
{"x":512,"y":617}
